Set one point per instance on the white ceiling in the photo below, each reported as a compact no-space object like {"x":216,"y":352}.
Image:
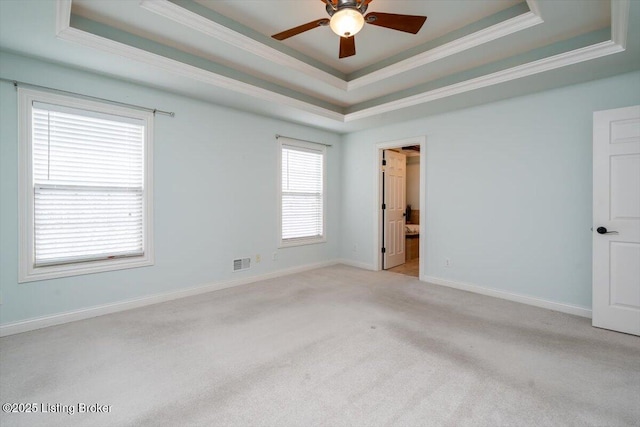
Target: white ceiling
{"x":468,"y":51}
{"x":373,"y":44}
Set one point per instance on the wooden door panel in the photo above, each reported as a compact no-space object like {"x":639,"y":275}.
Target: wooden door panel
{"x":395,"y":203}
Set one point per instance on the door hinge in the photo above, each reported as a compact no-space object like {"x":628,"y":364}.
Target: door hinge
{"x":384,"y":162}
{"x":384,"y":250}
{"x":384,"y":206}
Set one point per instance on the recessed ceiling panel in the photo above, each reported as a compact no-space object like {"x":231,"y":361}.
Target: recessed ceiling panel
{"x":221,"y":51}
{"x":373,"y":43}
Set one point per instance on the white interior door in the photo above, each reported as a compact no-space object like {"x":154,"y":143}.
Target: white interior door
{"x":395,"y":196}
{"x":616,"y":220}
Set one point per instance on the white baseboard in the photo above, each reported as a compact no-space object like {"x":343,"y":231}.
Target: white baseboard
{"x":357,"y":264}
{"x":524,"y":299}
{"x":86,"y":313}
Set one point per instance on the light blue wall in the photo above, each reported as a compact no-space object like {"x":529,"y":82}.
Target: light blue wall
{"x":508,"y":193}
{"x":215,"y":196}
{"x":509,"y":189}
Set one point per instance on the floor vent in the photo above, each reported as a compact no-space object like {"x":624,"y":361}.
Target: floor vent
{"x":241,"y":264}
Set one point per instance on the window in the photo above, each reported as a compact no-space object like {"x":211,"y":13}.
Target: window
{"x":85,"y":186}
{"x":302,"y":174}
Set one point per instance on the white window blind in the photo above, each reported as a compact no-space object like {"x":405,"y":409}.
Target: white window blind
{"x":302,"y":181}
{"x":88,"y":185}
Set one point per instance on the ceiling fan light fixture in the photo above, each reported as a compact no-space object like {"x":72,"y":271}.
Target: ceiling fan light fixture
{"x":347,"y":22}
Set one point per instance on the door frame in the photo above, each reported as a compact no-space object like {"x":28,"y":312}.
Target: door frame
{"x":377,"y":198}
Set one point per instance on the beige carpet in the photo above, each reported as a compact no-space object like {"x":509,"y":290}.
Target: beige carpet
{"x":333,"y":347}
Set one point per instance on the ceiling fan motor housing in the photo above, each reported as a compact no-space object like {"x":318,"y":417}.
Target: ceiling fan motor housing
{"x":358,"y":5}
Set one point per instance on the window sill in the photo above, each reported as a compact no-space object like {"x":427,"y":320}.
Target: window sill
{"x":31,"y":274}
{"x":301,"y":242}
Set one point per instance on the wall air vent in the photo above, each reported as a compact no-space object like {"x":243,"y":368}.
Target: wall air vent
{"x":241,"y":264}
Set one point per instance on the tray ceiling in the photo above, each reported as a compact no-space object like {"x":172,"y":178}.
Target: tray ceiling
{"x":468,"y":51}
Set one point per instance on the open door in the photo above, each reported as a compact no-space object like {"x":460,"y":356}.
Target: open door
{"x":394,"y":197}
{"x":616,"y":220}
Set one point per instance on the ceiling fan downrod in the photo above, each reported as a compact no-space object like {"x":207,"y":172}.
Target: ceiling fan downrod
{"x":359,"y":5}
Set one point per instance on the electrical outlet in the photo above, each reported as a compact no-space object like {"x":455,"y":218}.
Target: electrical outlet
{"x":275,"y":256}
{"x":355,"y":248}
{"x":447,"y":262}
{"x":258,"y":258}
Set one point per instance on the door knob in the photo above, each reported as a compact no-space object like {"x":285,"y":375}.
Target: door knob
{"x":603,"y":230}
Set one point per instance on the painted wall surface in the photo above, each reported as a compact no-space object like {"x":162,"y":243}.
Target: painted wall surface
{"x":508,"y":188}
{"x":508,"y":193}
{"x":215,"y":196}
{"x":413,"y":181}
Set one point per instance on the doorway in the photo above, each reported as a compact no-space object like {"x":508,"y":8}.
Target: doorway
{"x":400,"y":206}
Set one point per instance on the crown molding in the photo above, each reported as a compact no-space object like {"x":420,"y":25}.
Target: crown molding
{"x":619,"y":25}
{"x":199,"y":23}
{"x":510,"y":26}
{"x":192,"y":20}
{"x":620,"y":21}
{"x":106,"y":45}
{"x":63,"y":15}
{"x":553,"y":62}
{"x":534,"y":7}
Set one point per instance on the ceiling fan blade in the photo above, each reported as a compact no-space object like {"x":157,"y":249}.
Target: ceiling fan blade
{"x":300,"y":29}
{"x":347,"y":46}
{"x":407,"y":23}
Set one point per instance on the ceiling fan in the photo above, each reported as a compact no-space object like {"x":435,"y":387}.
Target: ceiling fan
{"x":346,"y":18}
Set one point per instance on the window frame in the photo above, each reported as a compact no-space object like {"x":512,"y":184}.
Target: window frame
{"x":27,"y":271}
{"x":302,"y":241}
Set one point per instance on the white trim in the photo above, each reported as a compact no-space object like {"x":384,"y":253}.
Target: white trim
{"x":63,"y":15}
{"x":189,"y":71}
{"x":25,"y":203}
{"x":27,"y":271}
{"x":377,"y":197}
{"x":510,"y":296}
{"x":87,"y":313}
{"x":619,"y":25}
{"x":192,"y":20}
{"x":196,"y":22}
{"x":553,"y":62}
{"x":534,"y":7}
{"x":424,"y":196}
{"x":316,"y":148}
{"x":620,"y":21}
{"x":454,"y":47}
{"x":300,"y":242}
{"x":357,"y":264}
